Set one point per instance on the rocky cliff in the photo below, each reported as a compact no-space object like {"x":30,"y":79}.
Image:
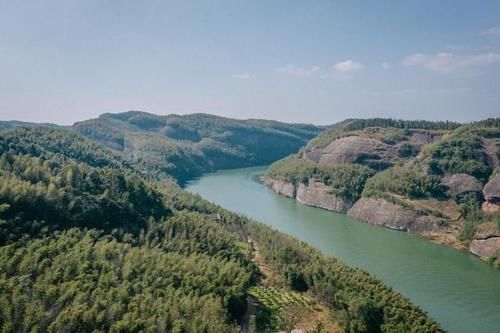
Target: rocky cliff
{"x":319,"y":195}
{"x":354,"y":149}
{"x":384,"y":213}
{"x":491,"y":192}
{"x":486,"y":242}
{"x":315,"y":194}
{"x":281,"y":187}
{"x":461,"y":183}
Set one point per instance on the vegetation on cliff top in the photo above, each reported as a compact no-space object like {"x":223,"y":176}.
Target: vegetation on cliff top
{"x":396,"y":129}
{"x":460,"y":152}
{"x":407,"y":182}
{"x":346,"y":180}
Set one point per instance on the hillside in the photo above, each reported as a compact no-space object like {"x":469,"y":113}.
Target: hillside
{"x":186,"y":146}
{"x":87,"y":243}
{"x":436,"y":179}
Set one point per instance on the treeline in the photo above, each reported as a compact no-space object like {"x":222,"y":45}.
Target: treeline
{"x":490,"y":122}
{"x":387,"y":130}
{"x":59,"y":144}
{"x":359,"y":124}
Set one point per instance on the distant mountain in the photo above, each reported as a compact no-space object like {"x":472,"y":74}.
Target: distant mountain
{"x":188,"y":145}
{"x":185,"y":146}
{"x":15,"y":123}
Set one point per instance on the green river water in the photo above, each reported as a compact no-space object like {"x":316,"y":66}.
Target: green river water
{"x":457,"y":289}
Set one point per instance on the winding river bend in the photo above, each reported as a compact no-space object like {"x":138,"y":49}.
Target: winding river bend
{"x":458,"y":290}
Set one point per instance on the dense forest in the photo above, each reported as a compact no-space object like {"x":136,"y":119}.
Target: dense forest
{"x":186,"y":146}
{"x":90,"y":242}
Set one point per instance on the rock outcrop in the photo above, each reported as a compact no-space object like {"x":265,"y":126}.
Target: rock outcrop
{"x":421,"y":138}
{"x":356,"y":149}
{"x":491,"y":190}
{"x":281,"y":187}
{"x":384,"y":213}
{"x":318,"y":194}
{"x":314,"y":194}
{"x":461,"y":183}
{"x":490,"y":207}
{"x":486,"y":242}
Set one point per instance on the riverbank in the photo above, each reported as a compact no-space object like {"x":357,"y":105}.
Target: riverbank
{"x":395,"y":215}
{"x":455,"y":288}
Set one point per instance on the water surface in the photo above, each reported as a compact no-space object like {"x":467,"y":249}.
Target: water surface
{"x":458,"y":290}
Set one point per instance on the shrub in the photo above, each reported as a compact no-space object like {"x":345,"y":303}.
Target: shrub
{"x":461,"y":153}
{"x":407,"y":182}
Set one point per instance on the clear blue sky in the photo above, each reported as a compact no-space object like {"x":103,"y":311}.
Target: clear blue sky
{"x":299,"y":61}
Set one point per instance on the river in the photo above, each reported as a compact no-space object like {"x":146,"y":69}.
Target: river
{"x":457,"y":289}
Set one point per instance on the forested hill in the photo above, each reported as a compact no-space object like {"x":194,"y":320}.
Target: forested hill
{"x":87,"y":244}
{"x":441,"y":179}
{"x":186,"y":146}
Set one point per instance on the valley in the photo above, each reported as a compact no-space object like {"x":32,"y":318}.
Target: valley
{"x":90,"y":231}
{"x":100,"y":202}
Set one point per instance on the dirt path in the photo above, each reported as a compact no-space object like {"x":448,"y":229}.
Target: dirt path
{"x":247,"y":318}
{"x":268,"y":274}
{"x":251,"y":303}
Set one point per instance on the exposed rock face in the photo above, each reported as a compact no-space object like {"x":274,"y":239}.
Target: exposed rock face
{"x":314,"y":194}
{"x":486,"y":248}
{"x":490,"y":148}
{"x":384,"y":213}
{"x":491,"y":190}
{"x":461,"y":183}
{"x":486,"y":242}
{"x":280,"y":187}
{"x":318,"y":194}
{"x":487,"y":230}
{"x":356,"y":149}
{"x":490,"y":207}
{"x":313,"y":154}
{"x":424,"y":137}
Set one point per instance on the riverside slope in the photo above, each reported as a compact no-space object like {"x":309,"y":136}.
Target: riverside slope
{"x":424,"y":180}
{"x":457,"y":289}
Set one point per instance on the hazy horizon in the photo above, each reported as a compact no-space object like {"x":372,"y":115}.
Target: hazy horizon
{"x":321,"y":62}
{"x":231,"y":117}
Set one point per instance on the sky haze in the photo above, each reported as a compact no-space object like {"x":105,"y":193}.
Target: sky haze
{"x":297,"y":61}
